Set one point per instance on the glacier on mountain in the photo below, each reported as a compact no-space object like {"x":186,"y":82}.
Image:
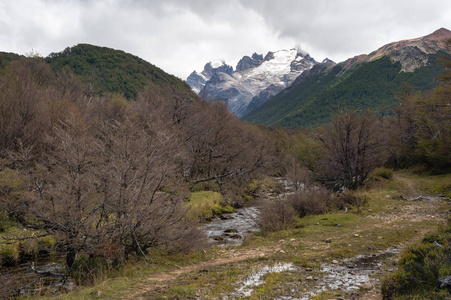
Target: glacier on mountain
{"x":255,"y":78}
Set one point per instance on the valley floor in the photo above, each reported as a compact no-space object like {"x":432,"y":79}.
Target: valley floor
{"x":332,"y":256}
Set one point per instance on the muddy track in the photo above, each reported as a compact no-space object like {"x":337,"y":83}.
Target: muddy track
{"x":161,"y":280}
{"x":412,"y":212}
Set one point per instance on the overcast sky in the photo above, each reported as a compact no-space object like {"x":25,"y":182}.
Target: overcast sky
{"x":180,"y":36}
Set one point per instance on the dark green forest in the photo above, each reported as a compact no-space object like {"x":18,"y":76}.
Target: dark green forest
{"x":112,"y":71}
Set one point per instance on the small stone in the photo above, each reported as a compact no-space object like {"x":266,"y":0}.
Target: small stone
{"x":335,"y":261}
{"x":380,"y":237}
{"x":96,"y":293}
{"x":316,"y":278}
{"x":309,"y":278}
{"x":356,"y":234}
{"x":316,"y":223}
{"x":283,"y":252}
{"x":338,"y":225}
{"x":367,"y":286}
{"x":292,"y":240}
{"x":309,"y":269}
{"x":328,"y":241}
{"x":387,"y":197}
{"x":352,"y":273}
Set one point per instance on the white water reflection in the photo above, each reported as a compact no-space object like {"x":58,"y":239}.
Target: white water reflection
{"x":231,"y":230}
{"x":255,"y":279}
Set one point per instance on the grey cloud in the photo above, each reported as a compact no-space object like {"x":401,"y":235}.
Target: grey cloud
{"x":180,"y":36}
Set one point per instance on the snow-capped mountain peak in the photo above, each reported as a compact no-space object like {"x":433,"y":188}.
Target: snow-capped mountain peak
{"x":255,"y":79}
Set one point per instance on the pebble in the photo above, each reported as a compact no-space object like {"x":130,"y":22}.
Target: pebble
{"x":328,"y":241}
{"x":309,"y":278}
{"x":335,"y":261}
{"x":356,"y":234}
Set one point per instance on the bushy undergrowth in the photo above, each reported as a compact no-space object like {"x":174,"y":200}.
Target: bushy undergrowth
{"x":277,"y":215}
{"x":312,"y":201}
{"x":17,"y":243}
{"x":420,"y":269}
{"x":86,"y":270}
{"x":384,"y":173}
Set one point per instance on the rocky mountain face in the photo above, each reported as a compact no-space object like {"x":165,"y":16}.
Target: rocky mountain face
{"x":411,"y":54}
{"x":197,"y":80}
{"x":255,"y":79}
{"x":364,"y":81}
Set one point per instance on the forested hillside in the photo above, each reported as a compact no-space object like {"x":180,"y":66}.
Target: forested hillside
{"x":113,"y":71}
{"x":311,"y":101}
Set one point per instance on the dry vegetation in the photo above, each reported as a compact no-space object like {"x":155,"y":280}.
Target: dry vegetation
{"x":114,"y":181}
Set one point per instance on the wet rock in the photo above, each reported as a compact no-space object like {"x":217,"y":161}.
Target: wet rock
{"x":309,"y":269}
{"x":70,"y":286}
{"x":367,"y":286}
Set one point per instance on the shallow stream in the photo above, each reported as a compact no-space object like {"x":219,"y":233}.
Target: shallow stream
{"x":231,"y":229}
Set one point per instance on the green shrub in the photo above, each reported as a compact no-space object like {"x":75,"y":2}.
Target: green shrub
{"x":384,"y":173}
{"x":419,"y":271}
{"x":87,"y":270}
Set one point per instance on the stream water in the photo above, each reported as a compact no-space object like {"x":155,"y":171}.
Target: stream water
{"x":231,"y":229}
{"x":28,"y":282}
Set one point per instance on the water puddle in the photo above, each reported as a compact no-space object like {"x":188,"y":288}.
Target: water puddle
{"x":256,"y":278}
{"x":349,"y":275}
{"x":230,"y":229}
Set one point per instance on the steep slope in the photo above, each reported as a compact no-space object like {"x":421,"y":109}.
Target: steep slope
{"x":364,"y":81}
{"x":255,"y":79}
{"x":113,"y":71}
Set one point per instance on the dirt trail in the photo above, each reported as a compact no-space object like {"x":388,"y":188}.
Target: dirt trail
{"x":160,"y":280}
{"x":412,"y":212}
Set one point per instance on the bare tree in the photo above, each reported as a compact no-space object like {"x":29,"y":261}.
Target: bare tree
{"x":353,"y":146}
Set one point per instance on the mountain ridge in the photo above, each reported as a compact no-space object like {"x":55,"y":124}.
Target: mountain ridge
{"x":254,"y":79}
{"x":363,"y":81}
